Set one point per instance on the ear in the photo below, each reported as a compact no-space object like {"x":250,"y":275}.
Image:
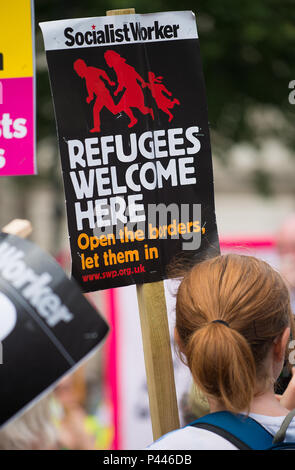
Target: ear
{"x":280,"y":345}
{"x":178,"y":340}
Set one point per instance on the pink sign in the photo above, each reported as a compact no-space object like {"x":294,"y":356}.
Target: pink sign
{"x":17,"y":134}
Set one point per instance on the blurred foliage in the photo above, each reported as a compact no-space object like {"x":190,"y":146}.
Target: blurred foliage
{"x":248,"y":54}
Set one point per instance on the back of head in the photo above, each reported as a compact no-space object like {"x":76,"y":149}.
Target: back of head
{"x":251,"y":303}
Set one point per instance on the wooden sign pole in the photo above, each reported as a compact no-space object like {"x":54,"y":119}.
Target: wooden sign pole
{"x":158,"y":357}
{"x":156,"y":345}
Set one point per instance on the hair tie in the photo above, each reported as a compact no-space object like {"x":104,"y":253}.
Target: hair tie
{"x":222,"y":322}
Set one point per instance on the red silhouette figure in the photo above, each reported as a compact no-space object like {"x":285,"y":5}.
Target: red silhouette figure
{"x":128,"y":78}
{"x":158,"y":89}
{"x":96,"y":86}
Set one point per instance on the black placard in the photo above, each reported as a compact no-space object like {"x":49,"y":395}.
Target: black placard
{"x":132,"y":121}
{"x":46,"y":325}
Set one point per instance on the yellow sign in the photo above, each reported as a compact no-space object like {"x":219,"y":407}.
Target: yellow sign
{"x":16,"y":47}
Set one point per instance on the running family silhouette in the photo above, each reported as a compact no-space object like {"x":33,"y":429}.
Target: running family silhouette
{"x":130,"y":83}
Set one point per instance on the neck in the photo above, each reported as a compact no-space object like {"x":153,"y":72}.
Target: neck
{"x":264,"y":404}
{"x":267,"y":404}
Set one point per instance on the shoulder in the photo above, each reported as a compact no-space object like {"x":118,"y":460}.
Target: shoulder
{"x":273,"y":423}
{"x":190,"y":438}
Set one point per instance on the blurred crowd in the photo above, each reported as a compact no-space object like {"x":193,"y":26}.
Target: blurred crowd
{"x":71,"y":417}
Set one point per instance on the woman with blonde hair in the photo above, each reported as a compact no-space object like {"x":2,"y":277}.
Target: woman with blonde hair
{"x":233,"y":328}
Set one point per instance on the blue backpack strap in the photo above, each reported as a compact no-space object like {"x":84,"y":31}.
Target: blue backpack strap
{"x":242,"y":431}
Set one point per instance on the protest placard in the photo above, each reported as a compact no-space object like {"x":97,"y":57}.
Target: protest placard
{"x":47,"y":327}
{"x":134,"y":141}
